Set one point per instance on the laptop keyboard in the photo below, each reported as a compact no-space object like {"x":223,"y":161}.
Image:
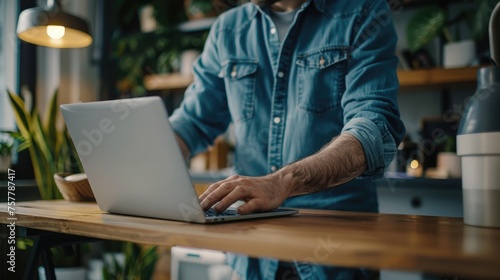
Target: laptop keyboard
{"x":212,"y":213}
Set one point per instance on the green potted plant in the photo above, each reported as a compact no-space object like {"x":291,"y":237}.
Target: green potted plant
{"x":133,"y":261}
{"x":50,"y":148}
{"x":138,"y":54}
{"x":51,"y":151}
{"x":433,"y":21}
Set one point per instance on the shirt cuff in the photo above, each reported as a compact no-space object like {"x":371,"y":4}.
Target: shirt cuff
{"x":378,"y":144}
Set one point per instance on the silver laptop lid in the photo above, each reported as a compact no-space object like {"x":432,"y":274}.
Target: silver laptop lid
{"x":131,"y":158}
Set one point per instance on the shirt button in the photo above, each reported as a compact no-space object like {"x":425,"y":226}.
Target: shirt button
{"x":281,"y":74}
{"x":274,"y":168}
{"x":233,"y":72}
{"x":277,"y":120}
{"x":273,"y":30}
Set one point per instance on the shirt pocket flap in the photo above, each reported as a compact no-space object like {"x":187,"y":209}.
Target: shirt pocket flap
{"x":237,"y":69}
{"x":322,"y":58}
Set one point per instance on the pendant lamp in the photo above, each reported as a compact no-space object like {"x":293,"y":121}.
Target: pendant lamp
{"x":51,"y":27}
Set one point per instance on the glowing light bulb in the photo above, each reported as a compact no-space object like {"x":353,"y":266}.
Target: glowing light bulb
{"x":414,"y":168}
{"x":55,"y":31}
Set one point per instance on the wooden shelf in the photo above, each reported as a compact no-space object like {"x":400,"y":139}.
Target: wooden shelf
{"x":167,"y":81}
{"x":407,"y":78}
{"x":196,"y":25}
{"x":436,"y":77}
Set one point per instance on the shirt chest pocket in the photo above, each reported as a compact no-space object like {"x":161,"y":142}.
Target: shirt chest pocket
{"x":239,"y":79}
{"x":321,"y":79}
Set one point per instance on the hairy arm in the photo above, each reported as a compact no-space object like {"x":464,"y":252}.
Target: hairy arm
{"x":338,"y":162}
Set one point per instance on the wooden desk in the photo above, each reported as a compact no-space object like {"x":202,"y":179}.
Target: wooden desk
{"x":443,"y":246}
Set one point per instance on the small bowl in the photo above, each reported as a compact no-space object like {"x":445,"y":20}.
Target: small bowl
{"x":74,"y":187}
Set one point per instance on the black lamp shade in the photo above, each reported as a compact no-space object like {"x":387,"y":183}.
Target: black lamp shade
{"x":32,"y":28}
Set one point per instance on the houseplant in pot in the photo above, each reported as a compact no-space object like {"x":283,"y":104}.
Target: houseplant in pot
{"x":134,"y":261}
{"x":51,"y":151}
{"x":434,"y":21}
{"x":139,"y":54}
{"x":50,"y":147}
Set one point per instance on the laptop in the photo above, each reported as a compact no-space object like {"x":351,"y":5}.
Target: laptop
{"x":134,"y":164}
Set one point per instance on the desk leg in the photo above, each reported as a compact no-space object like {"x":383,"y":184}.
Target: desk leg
{"x":40,"y":248}
{"x":33,"y":259}
{"x":42,"y":242}
{"x":48,"y":264}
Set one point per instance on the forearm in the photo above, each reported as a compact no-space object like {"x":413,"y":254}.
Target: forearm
{"x":340,"y":161}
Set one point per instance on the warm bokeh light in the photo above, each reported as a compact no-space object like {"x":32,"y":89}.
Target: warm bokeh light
{"x":55,"y":31}
{"x":414,"y":164}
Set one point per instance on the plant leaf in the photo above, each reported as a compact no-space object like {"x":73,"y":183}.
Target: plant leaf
{"x":424,"y":26}
{"x":23,"y":118}
{"x":50,"y":124}
{"x":43,"y":161}
{"x":149,"y":257}
{"x":73,"y":163}
{"x":24,"y":145}
{"x":47,"y":146}
{"x":38,"y":168}
{"x":40,"y":138}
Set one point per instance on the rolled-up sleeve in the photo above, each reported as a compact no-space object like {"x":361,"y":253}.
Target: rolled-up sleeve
{"x":203,"y":114}
{"x":370,"y":107}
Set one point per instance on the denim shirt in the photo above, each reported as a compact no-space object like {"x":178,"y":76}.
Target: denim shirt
{"x":335,"y":72}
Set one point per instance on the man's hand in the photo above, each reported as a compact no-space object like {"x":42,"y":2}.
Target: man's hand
{"x":259,"y":193}
{"x":338,"y":162}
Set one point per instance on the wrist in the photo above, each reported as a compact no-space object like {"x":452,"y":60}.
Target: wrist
{"x":286,"y":181}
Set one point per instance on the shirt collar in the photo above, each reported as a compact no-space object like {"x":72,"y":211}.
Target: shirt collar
{"x":320,"y":5}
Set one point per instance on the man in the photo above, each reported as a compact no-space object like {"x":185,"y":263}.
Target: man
{"x":310,"y":86}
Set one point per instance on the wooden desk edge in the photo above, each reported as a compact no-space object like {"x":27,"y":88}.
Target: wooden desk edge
{"x":167,"y":233}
